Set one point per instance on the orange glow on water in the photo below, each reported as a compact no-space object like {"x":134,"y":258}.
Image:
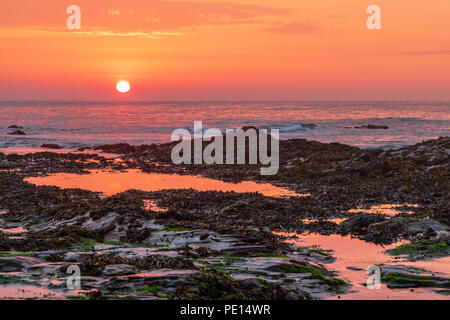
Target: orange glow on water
{"x":354,"y":256}
{"x":110,"y":183}
{"x":386,"y":209}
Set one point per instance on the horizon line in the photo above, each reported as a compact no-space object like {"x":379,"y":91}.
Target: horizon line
{"x":226,"y":101}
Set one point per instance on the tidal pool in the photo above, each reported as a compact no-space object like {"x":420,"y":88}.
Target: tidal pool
{"x":386,"y":209}
{"x":114,"y":182}
{"x":24,"y":291}
{"x":17,"y":230}
{"x":335,"y":220}
{"x":354,"y":256}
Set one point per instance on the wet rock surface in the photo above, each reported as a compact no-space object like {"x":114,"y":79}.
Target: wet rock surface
{"x":407,"y":277}
{"x":125,"y":251}
{"x":211,"y":245}
{"x":423,"y":249}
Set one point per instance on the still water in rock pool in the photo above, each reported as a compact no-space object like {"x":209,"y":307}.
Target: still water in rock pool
{"x":113,"y":182}
{"x":354,"y":256}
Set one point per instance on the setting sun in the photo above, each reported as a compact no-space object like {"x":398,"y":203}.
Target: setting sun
{"x":123,"y":86}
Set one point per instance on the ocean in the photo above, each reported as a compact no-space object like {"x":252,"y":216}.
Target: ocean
{"x":84,"y":124}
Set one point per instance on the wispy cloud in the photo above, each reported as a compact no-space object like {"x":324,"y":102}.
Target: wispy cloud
{"x":47,"y":32}
{"x":136,"y":34}
{"x":154,"y":19}
{"x":296,"y":28}
{"x":136,"y":15}
{"x":429,"y":52}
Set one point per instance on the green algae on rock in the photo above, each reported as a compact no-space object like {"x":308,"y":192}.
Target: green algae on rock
{"x":423,"y":249}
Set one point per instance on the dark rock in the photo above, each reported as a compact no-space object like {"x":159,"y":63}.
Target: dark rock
{"x":323,"y":227}
{"x":119,"y":148}
{"x":407,"y":225}
{"x":372,"y":126}
{"x":14,"y":127}
{"x":51,"y":146}
{"x":18,"y":132}
{"x":359,"y":223}
{"x":13,"y":264}
{"x":393,"y":226}
{"x":431,"y":227}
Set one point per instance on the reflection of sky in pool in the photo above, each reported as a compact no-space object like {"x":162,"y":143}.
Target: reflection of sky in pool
{"x":358,"y":255}
{"x":110,"y":183}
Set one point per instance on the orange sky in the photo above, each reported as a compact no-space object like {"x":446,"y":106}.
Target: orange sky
{"x":225,"y":50}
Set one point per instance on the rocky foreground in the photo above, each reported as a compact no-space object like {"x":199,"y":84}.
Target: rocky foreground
{"x":213,"y":245}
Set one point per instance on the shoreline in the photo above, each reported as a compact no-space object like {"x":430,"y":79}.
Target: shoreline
{"x":124,"y":147}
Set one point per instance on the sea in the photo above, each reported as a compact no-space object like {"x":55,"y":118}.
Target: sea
{"x":73,"y":124}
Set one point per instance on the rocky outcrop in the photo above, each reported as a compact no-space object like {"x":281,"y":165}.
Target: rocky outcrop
{"x":51,"y":146}
{"x":18,"y":133}
{"x":372,"y":126}
{"x":359,"y":224}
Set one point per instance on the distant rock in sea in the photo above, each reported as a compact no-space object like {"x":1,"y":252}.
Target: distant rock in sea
{"x":51,"y":146}
{"x":372,"y":126}
{"x":14,"y":126}
{"x":18,"y":133}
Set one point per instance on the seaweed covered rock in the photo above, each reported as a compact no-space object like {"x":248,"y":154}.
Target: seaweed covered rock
{"x":359,"y":224}
{"x":423,"y":249}
{"x":406,"y":277}
{"x":214,"y":284}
